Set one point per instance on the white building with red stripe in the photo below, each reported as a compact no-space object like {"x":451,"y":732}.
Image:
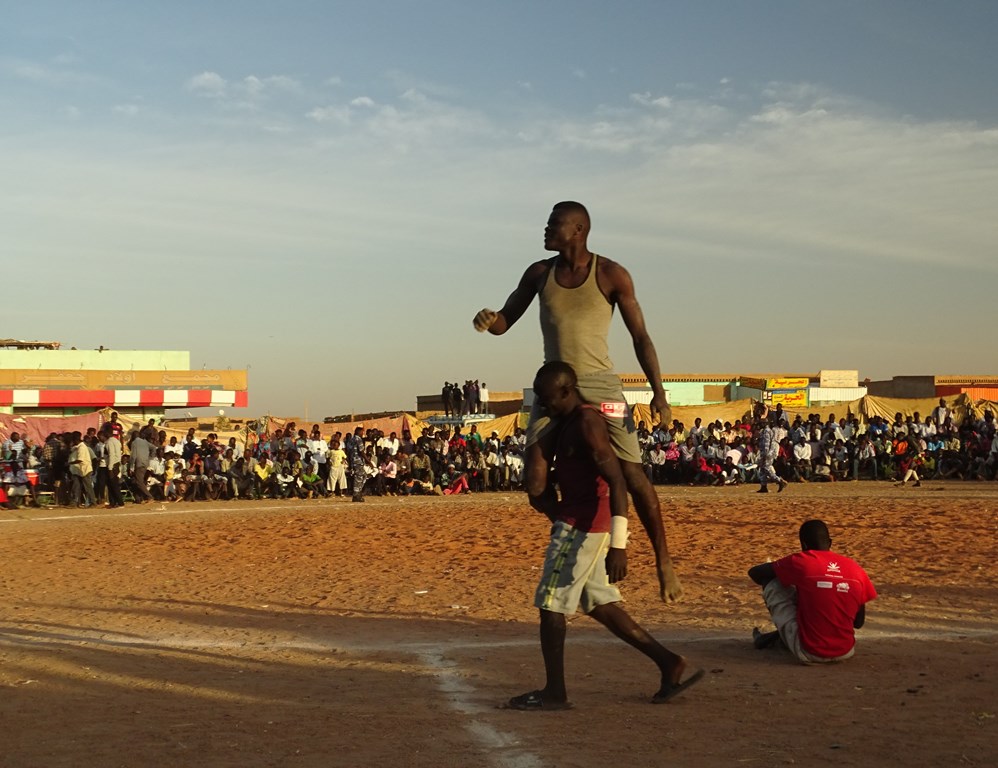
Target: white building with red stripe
{"x":70,"y":382}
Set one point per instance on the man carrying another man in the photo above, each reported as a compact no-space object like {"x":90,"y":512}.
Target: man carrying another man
{"x":586,"y":555}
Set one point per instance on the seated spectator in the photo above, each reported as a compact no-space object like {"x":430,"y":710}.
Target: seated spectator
{"x":213,"y":485}
{"x":373,"y":480}
{"x":389,"y":471}
{"x":240,"y":480}
{"x":839,"y":459}
{"x":420,"y":467}
{"x":749,"y":464}
{"x":170,"y":470}
{"x":512,"y":463}
{"x":476,"y":469}
{"x":16,"y":485}
{"x":688,"y":459}
{"x":657,"y":459}
{"x":729,"y":472}
{"x":492,"y":460}
{"x":413,"y":487}
{"x":265,"y":482}
{"x":454,"y":481}
{"x":706,"y":473}
{"x":312,"y":486}
{"x":954,"y":462}
{"x":800,"y":465}
{"x":191,"y":483}
{"x":911,"y":459}
{"x":821,"y":470}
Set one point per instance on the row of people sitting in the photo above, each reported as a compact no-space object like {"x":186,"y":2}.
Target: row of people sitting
{"x":812,"y":449}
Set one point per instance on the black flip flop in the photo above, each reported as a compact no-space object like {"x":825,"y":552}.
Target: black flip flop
{"x":674,"y":690}
{"x":534,"y":702}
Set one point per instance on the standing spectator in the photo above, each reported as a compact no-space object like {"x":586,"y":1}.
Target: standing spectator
{"x":13,"y":447}
{"x":483,"y":398}
{"x":445,"y":395}
{"x":940,"y":413}
{"x":354,"y":448}
{"x":473,"y":402}
{"x":769,"y":451}
{"x":112,"y":456}
{"x":141,"y":452}
{"x":82,"y":470}
{"x":337,"y":481}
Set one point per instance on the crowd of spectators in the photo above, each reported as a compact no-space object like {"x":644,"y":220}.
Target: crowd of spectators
{"x":109,"y":466}
{"x":936,"y":447}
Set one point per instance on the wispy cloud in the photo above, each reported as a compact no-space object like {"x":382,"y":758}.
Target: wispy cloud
{"x":261,"y":87}
{"x":330,"y":114}
{"x":209,"y":84}
{"x":59,"y":74}
{"x":646,"y":99}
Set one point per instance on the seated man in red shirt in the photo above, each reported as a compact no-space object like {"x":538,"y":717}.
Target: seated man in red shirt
{"x":817,"y":598}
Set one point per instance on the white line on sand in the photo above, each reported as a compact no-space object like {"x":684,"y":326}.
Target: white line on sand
{"x":503,"y":749}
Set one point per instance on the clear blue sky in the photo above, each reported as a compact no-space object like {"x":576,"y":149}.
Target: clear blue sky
{"x":326,"y":192}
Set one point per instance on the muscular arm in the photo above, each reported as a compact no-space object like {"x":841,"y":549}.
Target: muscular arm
{"x":597,"y":440}
{"x":621,"y":288}
{"x":497,"y":323}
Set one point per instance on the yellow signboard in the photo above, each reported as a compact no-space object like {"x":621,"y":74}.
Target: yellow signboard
{"x":796,"y":399}
{"x":82,"y":379}
{"x":785,"y":383}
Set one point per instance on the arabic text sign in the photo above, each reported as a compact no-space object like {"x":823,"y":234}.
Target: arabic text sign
{"x":83,"y":379}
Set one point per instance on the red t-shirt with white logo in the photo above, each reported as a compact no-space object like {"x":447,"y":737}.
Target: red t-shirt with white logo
{"x":831,"y":588}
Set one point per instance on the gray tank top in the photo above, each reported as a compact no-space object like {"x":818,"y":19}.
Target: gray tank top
{"x":575,"y":323}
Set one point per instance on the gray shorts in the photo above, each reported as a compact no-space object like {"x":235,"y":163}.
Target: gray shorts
{"x":782,"y":604}
{"x":575,"y":572}
{"x":604,"y":391}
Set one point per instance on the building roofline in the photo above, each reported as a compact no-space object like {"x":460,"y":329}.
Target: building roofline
{"x":718,"y":378}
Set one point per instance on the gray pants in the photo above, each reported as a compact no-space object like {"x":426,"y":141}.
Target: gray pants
{"x":86,"y":484}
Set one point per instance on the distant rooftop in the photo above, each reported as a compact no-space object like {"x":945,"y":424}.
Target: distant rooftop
{"x":16,"y":344}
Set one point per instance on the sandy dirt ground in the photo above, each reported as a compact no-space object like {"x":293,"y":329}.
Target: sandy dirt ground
{"x":326,"y":633}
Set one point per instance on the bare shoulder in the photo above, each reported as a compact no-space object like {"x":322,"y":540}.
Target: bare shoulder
{"x":533,"y":276}
{"x":592,"y":420}
{"x":614,"y":280}
{"x":538,"y":268}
